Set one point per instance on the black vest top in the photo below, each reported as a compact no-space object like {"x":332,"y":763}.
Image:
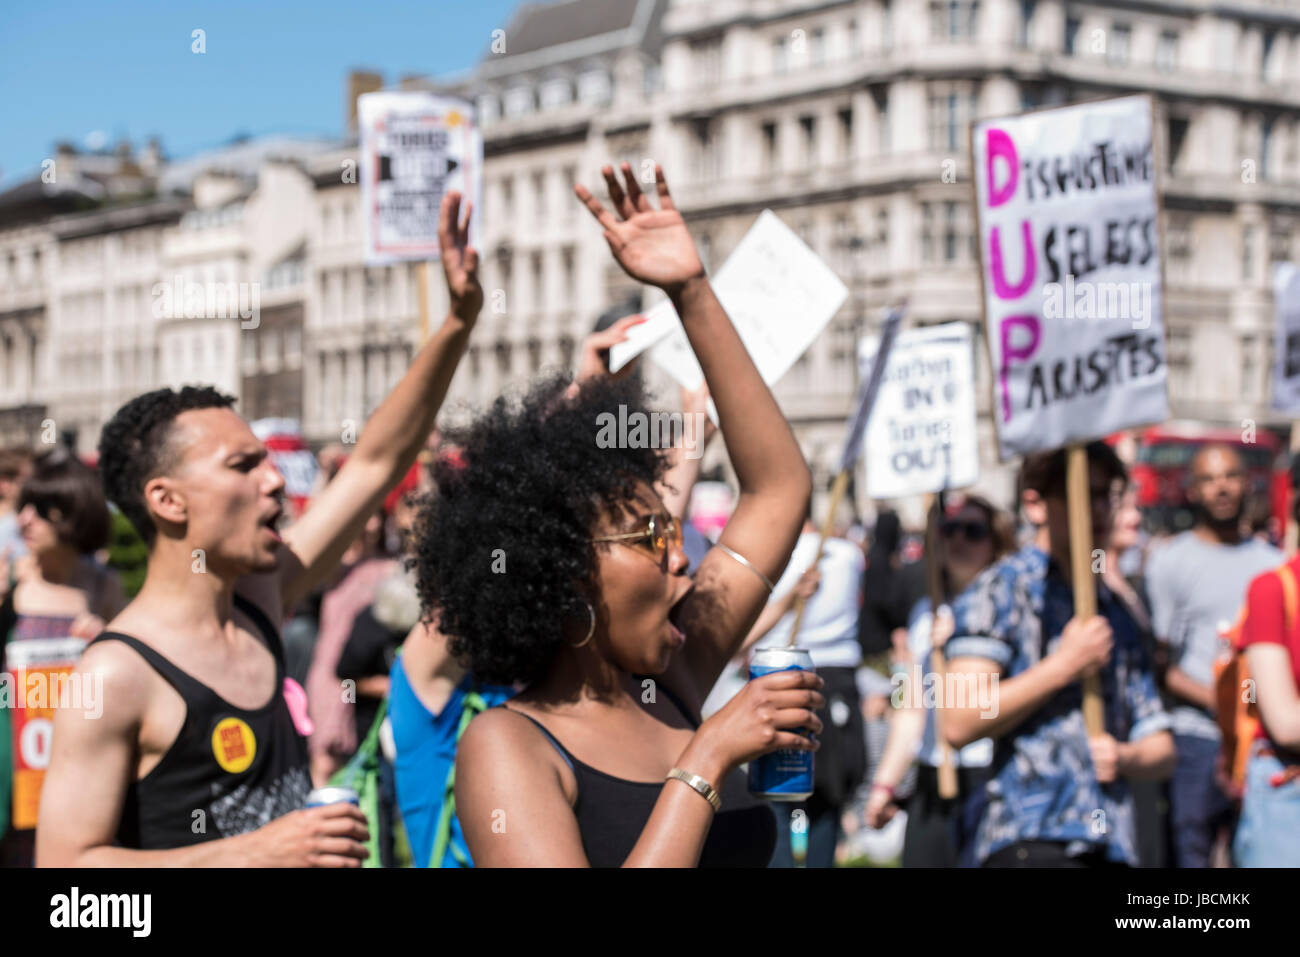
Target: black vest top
{"x":229,"y":770}
{"x":612,"y":813}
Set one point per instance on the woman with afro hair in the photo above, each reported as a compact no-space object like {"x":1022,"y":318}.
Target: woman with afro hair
{"x":550,"y":562}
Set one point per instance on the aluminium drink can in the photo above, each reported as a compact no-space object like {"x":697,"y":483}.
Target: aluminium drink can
{"x":785,"y":775}
{"x":333,"y":795}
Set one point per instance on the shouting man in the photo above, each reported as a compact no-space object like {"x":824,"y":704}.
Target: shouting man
{"x":198,"y":758}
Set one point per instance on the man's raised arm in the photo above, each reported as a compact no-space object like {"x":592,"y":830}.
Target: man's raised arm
{"x":394,"y":435}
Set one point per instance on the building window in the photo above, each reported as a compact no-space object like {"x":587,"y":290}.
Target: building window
{"x":539,"y":195}
{"x":507,"y":197}
{"x":808,"y":130}
{"x":1026,"y":21}
{"x":594,"y":87}
{"x":953,"y":19}
{"x":1178,"y":235}
{"x":1117,"y":45}
{"x":1248,"y":366}
{"x":1279,"y":244}
{"x":881,"y":98}
{"x":1167,"y":51}
{"x":567,"y":258}
{"x":771,"y":154}
{"x":927,"y":233}
{"x":951,"y":232}
{"x":780,"y":54}
{"x":1265,"y":145}
{"x":1266,"y":53}
{"x":1247,"y":262}
{"x":707,"y":164}
{"x":538,"y":275}
{"x":555,"y":93}
{"x":293,"y":346}
{"x":817,"y":46}
{"x":706,"y":55}
{"x":1177,"y":137}
{"x":852,"y":38}
{"x":951,"y":109}
{"x":503,"y":358}
{"x":1071,"y":44}
{"x":845,"y":117}
{"x":887,"y":24}
{"x":488,"y":108}
{"x":519,"y":101}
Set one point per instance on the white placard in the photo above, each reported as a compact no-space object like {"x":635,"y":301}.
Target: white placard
{"x":921,"y":436}
{"x":778,"y":293}
{"x":1286,"y":339}
{"x":1069,"y":243}
{"x":414,"y":148}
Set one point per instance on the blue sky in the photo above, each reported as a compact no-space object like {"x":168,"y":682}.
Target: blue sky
{"x":124,"y":68}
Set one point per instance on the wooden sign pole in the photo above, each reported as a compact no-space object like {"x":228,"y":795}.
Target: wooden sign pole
{"x":422,"y":292}
{"x":1079,"y":500}
{"x":934,"y":575}
{"x":837,"y":494}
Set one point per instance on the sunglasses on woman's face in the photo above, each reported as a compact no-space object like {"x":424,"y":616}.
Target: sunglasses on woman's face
{"x":660,"y":534}
{"x":973,"y":531}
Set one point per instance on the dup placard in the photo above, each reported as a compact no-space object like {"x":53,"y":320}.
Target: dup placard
{"x":1069,"y":228}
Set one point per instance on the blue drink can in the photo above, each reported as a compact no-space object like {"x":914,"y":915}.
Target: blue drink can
{"x":781,"y":775}
{"x":333,"y":795}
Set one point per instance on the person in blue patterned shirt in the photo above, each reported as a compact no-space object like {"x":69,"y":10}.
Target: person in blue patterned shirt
{"x":1056,"y":796}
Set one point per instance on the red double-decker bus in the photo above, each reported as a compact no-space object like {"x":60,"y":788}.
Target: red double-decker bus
{"x":1162,"y":473}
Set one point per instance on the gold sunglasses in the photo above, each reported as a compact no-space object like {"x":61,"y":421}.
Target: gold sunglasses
{"x":660,"y":535}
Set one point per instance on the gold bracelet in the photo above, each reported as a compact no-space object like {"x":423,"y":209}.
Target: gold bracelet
{"x":701,"y":786}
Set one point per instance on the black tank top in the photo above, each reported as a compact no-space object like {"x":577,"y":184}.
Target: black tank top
{"x":612,"y":813}
{"x":229,"y":770}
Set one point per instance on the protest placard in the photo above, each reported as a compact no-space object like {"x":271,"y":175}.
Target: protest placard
{"x":414,"y":148}
{"x":1069,"y":228}
{"x":1286,"y":339}
{"x":39,"y":679}
{"x":778,"y":293}
{"x":921,"y":436}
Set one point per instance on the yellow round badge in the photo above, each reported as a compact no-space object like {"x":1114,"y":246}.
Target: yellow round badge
{"x":233,"y":745}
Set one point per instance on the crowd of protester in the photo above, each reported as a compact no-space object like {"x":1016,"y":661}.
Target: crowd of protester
{"x":465,"y":628}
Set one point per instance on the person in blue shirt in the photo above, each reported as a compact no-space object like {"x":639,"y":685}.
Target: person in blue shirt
{"x":428,"y":694}
{"x":1056,"y":797}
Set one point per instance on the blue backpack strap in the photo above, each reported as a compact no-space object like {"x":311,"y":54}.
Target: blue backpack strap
{"x":474,"y":704}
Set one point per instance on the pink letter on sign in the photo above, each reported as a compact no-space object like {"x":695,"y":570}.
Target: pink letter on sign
{"x":997,"y":270}
{"x":1030,"y":324}
{"x":998,"y":143}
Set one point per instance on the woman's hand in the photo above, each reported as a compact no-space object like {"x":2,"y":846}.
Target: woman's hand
{"x":652,"y":245}
{"x":762,"y":718}
{"x":808,"y":583}
{"x":459,"y":259}
{"x":941,"y":626}
{"x":594,"y":361}
{"x":880,"y":807}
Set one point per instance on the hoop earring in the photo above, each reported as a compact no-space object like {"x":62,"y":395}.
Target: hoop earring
{"x":590,"y":631}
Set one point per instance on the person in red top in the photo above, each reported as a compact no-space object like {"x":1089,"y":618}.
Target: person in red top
{"x":1270,"y":813}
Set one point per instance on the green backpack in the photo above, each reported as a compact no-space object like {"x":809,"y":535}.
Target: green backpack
{"x":361,"y":774}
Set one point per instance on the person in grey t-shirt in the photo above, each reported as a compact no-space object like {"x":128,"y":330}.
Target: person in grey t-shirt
{"x":1197,"y":585}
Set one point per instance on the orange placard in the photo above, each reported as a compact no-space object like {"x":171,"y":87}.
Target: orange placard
{"x":39,"y":669}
